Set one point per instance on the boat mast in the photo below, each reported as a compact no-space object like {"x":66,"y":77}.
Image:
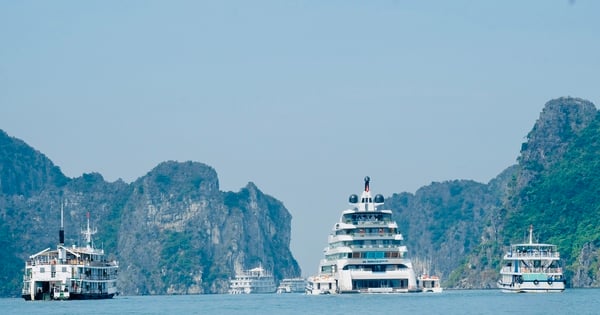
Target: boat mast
{"x":88,"y":233}
{"x":61,"y":232}
{"x":62,"y":255}
{"x":531,"y":234}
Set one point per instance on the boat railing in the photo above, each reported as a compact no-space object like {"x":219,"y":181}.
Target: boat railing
{"x":95,"y":277}
{"x":42,"y":261}
{"x":373,"y":246}
{"x":534,"y":254}
{"x":369,"y":222}
{"x":365,"y":234}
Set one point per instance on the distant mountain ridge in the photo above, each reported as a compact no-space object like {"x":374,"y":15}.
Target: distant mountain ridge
{"x":175,"y":232}
{"x":172,"y":230}
{"x":475,"y":222}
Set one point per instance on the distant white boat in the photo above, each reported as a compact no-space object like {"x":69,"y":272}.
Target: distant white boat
{"x":292,"y":285}
{"x":365,"y":252}
{"x":255,"y":280}
{"x":532,"y":268}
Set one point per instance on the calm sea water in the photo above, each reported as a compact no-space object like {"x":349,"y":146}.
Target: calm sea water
{"x":572,"y":301}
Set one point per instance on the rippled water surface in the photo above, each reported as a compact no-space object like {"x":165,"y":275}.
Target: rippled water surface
{"x":572,"y":301}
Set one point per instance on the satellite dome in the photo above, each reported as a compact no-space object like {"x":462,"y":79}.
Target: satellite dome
{"x":378,"y":198}
{"x":353,"y":198}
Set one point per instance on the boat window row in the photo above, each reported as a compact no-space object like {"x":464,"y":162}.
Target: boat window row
{"x":375,"y":218}
{"x":91,"y":287}
{"x":376,"y":255}
{"x":508,"y":269}
{"x":376,"y":243}
{"x":376,"y":268}
{"x":368,"y":232}
{"x":96,"y":273}
{"x":379,"y":283}
{"x":366,"y":255}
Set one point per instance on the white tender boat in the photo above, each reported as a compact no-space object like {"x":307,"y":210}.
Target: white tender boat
{"x":70,"y":273}
{"x":255,"y":280}
{"x":321,"y":284}
{"x":365,"y":252}
{"x":429,"y":283}
{"x":531,"y":267}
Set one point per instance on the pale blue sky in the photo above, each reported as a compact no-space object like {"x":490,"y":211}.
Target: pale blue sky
{"x":304,"y":98}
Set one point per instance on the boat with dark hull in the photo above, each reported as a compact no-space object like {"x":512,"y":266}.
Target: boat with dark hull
{"x":70,"y":273}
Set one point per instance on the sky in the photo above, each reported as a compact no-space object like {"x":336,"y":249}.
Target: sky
{"x":303,"y":98}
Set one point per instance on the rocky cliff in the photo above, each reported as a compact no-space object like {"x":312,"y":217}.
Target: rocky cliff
{"x":459,"y":229}
{"x":533,"y":194}
{"x":186,"y":236}
{"x":172,"y":230}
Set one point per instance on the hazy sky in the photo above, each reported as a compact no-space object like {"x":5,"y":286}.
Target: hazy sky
{"x":303,"y":98}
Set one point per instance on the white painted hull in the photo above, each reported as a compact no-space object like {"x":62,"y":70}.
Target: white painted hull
{"x":531,"y":287}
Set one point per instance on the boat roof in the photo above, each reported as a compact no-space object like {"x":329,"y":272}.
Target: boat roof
{"x":530,"y":243}
{"x":533,"y":245}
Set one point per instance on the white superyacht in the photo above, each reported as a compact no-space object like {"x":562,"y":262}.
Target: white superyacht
{"x":365,"y":252}
{"x":531,"y":267}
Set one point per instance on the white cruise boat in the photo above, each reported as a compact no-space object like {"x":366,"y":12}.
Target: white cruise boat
{"x":292,"y":285}
{"x":255,"y":280}
{"x":531,"y":267}
{"x":70,"y":273}
{"x":365,"y":252}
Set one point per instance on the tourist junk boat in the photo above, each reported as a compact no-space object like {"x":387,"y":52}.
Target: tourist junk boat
{"x":70,"y":273}
{"x":531,"y":267}
{"x":365,"y":252}
{"x":292,"y":285}
{"x":255,"y":280}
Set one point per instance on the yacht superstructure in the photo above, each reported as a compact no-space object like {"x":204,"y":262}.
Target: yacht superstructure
{"x":365,"y":252}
